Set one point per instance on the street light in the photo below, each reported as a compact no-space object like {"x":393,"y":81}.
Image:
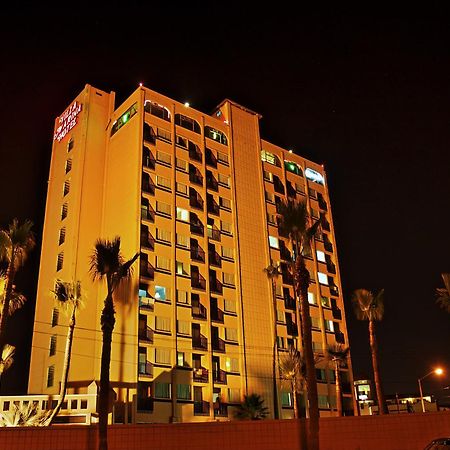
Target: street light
{"x":437,"y":371}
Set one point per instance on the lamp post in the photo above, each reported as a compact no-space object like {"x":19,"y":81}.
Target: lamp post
{"x":437,"y":371}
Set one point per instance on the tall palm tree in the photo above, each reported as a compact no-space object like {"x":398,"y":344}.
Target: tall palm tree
{"x":338,"y":354}
{"x":292,"y":368}
{"x":295,"y":222}
{"x":107,"y":262}
{"x":252,"y":408}
{"x":273,"y":272}
{"x":370,"y":307}
{"x":69,"y":297}
{"x":443,"y":294}
{"x":15,"y":244}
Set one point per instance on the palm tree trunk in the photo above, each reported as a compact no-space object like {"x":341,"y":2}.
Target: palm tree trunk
{"x":337,"y":376}
{"x":294,"y":395}
{"x":107,"y":323}
{"x":302,"y":281}
{"x":66,"y":367}
{"x":382,"y":408}
{"x":274,"y":355}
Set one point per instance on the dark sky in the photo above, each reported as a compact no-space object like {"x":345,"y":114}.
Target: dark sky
{"x":366,"y":95}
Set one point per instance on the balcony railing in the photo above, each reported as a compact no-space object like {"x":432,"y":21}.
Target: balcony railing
{"x":218,"y":345}
{"x":196,"y":178}
{"x":148,"y":213}
{"x":217,"y":315}
{"x":148,"y":187}
{"x":197,"y":254}
{"x":145,"y":404}
{"x":146,"y":369}
{"x":195,"y":201}
{"x":220,"y":409}
{"x":198,"y":281}
{"x":194,"y":152}
{"x":289,"y":302}
{"x":146,"y":334}
{"x":199,"y":311}
{"x":146,"y":303}
{"x":147,"y":241}
{"x":328,"y":246}
{"x":214,"y":258}
{"x":215,"y":285}
{"x":214,"y":233}
{"x":197,"y":227}
{"x":200,"y":375}
{"x":292,"y":329}
{"x":340,"y":338}
{"x":213,"y":207}
{"x":331,"y":267}
{"x":211,"y":182}
{"x":211,"y":159}
{"x":148,"y":161}
{"x":337,"y":313}
{"x":220,"y":376}
{"x":334,"y":290}
{"x":201,"y":408}
{"x":200,"y":342}
{"x":146,"y":270}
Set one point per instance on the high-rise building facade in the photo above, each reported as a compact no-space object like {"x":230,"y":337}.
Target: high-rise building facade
{"x":197,"y":196}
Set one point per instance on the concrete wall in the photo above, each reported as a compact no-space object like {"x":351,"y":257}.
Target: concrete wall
{"x":405,"y":432}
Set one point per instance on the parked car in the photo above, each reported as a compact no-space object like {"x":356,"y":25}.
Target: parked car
{"x":438,"y":444}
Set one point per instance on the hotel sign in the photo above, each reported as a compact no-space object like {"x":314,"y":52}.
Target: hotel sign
{"x":67,"y":120}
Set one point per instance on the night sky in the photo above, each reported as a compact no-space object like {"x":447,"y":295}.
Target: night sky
{"x":368,"y":96}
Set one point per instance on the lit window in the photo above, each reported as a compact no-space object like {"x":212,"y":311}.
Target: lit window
{"x":293,"y":167}
{"x":320,"y":256}
{"x":314,"y":176}
{"x":311,"y":298}
{"x":182,"y":214}
{"x":163,"y":235}
{"x":163,"y":208}
{"x":270,"y":158}
{"x":325,"y":301}
{"x":286,"y":399}
{"x":162,"y":324}
{"x":163,"y":158}
{"x":329,"y":325}
{"x":123,"y":119}
{"x":163,"y":182}
{"x":232,"y":365}
{"x":271,"y":218}
{"x":323,"y":279}
{"x":182,"y":268}
{"x":161,"y":293}
{"x":181,"y":360}
{"x":268,"y":176}
{"x":162,"y":390}
{"x":162,"y":355}
{"x":273,"y":242}
{"x":216,"y":135}
{"x":163,"y":263}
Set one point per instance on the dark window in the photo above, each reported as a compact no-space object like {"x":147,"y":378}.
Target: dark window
{"x":157,"y":110}
{"x":187,"y":122}
{"x":52,"y":346}
{"x":50,"y":376}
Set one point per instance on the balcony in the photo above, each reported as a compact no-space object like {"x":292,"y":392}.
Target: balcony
{"x":220,"y":409}
{"x":291,"y":192}
{"x":211,"y":182}
{"x":334,"y":290}
{"x":287,"y":278}
{"x":200,"y":375}
{"x":146,"y":369}
{"x":346,"y":387}
{"x":285,"y":253}
{"x":328,"y":246}
{"x":198,"y":281}
{"x":322,"y":203}
{"x":217,"y":315}
{"x":146,"y":303}
{"x":145,"y":404}
{"x":214,"y":258}
{"x":292,"y":329}
{"x":289,"y":302}
{"x":211,"y":159}
{"x":199,"y":311}
{"x":212,"y":206}
{"x":214,"y":233}
{"x":340,"y":338}
{"x":148,"y":213}
{"x":195,"y":200}
{"x":146,"y":335}
{"x":146,"y":269}
{"x":337,"y":313}
{"x":218,"y":345}
{"x":331,"y":267}
{"x":196,"y":226}
{"x":324,"y":222}
{"x":219,"y":376}
{"x":194,"y":152}
{"x":147,"y":241}
{"x":201,"y":408}
{"x":197,"y":254}
{"x":215,"y":285}
{"x":200,"y":342}
{"x":148,"y":160}
{"x":278,"y":185}
{"x":148,"y":186}
{"x":196,"y":178}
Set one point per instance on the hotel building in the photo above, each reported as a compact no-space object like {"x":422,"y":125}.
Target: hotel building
{"x":197,"y":196}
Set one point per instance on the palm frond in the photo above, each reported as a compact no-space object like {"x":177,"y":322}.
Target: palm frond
{"x":292,"y":368}
{"x":338,"y":353}
{"x":7,"y":357}
{"x":125,"y":270}
{"x":367,"y":306}
{"x":5,"y":246}
{"x":68,"y":294}
{"x":293,"y":219}
{"x":22,"y":240}
{"x":443,"y":294}
{"x":106,"y":259}
{"x":273,"y":270}
{"x":16,"y":300}
{"x":252,"y":408}
{"x":24,"y":416}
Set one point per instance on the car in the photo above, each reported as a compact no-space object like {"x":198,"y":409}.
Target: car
{"x":438,"y":444}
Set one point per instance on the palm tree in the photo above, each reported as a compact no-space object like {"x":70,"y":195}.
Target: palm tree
{"x":16,"y":300}
{"x":69,"y":298}
{"x":337,"y":354}
{"x":443,"y":294}
{"x":15,"y":244}
{"x":371,"y":308}
{"x":107,"y":262}
{"x":252,"y":408}
{"x":295,"y":222}
{"x":7,"y":357}
{"x":292,"y":368}
{"x":273,"y":272}
{"x":27,"y":415}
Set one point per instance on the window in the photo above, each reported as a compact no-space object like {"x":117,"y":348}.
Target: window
{"x":70,"y":145}
{"x":281,"y":342}
{"x":270,"y":158}
{"x":268,"y":176}
{"x":317,"y":347}
{"x":163,"y":263}
{"x":163,"y":235}
{"x":293,"y":167}
{"x":300,"y":188}
{"x":311,"y":298}
{"x":232,"y":365}
{"x":157,"y":110}
{"x":187,"y":122}
{"x":162,"y":390}
{"x":184,"y":391}
{"x":52,"y":345}
{"x":163,"y":208}
{"x":183,"y":241}
{"x":286,"y":399}
{"x":231,"y":334}
{"x":182,"y":214}
{"x":162,"y":293}
{"x":50,"y":376}
{"x":325,"y":301}
{"x":182,"y":188}
{"x":68,"y":165}
{"x":224,"y":180}
{"x":320,"y":256}
{"x":315,"y":322}
{"x":182,"y":268}
{"x":314,"y":176}
{"x":234,"y":395}
{"x":228,"y":278}
{"x":164,"y":134}
{"x":223,"y":158}
{"x":225,"y":203}
{"x":323,"y":279}
{"x":55,"y":317}
{"x":229,"y":305}
{"x":271,"y":218}
{"x":66,"y":188}
{"x":181,"y":359}
{"x":270,"y":197}
{"x":182,"y":297}
{"x":59,"y":263}
{"x":321,"y":375}
{"x":181,"y":141}
{"x":216,"y":135}
{"x":323,"y":402}
{"x":123,"y":119}
{"x":312,"y":193}
{"x":228,"y":253}
{"x":62,"y":235}
{"x":273,"y":242}
{"x":181,"y":164}
{"x":162,"y":355}
{"x":163,"y":182}
{"x":162,"y":324}
{"x":64,"y":211}
{"x":225,"y":227}
{"x":329,"y":325}
{"x":280,"y":316}
{"x":163,"y":158}
{"x":184,"y":327}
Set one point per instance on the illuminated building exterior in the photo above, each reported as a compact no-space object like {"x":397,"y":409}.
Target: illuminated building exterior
{"x":197,"y":195}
